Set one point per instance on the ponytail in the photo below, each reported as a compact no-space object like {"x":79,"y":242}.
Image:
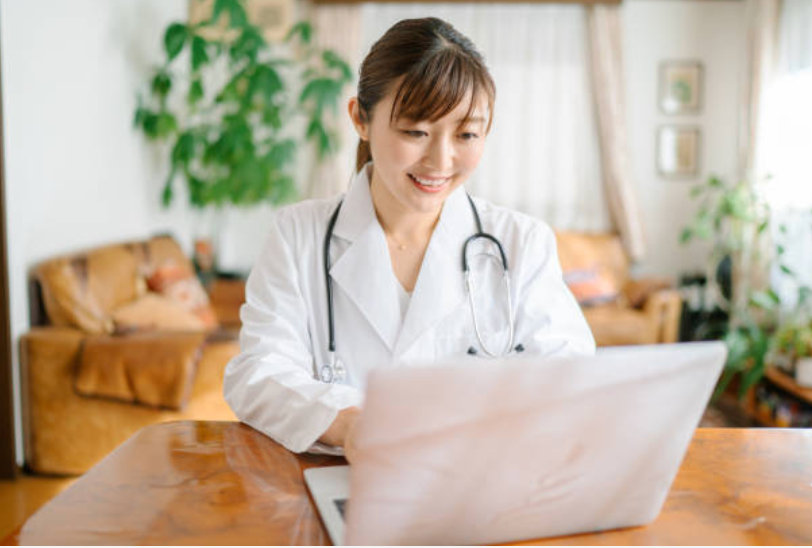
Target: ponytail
{"x":362,"y":155}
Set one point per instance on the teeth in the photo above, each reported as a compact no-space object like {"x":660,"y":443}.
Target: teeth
{"x":426,"y":182}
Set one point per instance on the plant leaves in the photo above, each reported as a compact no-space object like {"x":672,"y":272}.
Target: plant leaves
{"x":303,"y":29}
{"x":174,"y":38}
{"x":233,"y":9}
{"x":199,"y":54}
{"x":161,"y":84}
{"x":195,"y":92}
{"x":332,"y":60}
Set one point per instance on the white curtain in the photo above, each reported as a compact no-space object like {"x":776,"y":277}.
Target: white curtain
{"x":605,"y":40}
{"x":784,"y":139}
{"x":542,"y":155}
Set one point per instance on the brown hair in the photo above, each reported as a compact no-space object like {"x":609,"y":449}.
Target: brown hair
{"x":437,"y":67}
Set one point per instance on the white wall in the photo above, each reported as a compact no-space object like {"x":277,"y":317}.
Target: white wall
{"x":713,"y":33}
{"x":77,"y":174}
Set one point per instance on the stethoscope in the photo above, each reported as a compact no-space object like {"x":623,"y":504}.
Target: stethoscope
{"x":334,"y":370}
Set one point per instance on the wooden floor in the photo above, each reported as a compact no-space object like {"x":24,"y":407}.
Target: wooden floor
{"x":22,"y":497}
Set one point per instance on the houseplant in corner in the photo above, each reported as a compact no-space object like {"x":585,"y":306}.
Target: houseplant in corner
{"x":737,"y":219}
{"x":236,"y":110}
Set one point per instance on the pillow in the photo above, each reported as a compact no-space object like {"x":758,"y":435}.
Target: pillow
{"x":155,"y":312}
{"x":178,"y":283}
{"x":591,"y":286}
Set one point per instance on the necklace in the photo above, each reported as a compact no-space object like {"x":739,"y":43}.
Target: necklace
{"x":400,"y":246}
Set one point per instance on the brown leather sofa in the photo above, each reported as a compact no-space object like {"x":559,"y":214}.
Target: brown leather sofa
{"x":89,"y":383}
{"x":644,"y":311}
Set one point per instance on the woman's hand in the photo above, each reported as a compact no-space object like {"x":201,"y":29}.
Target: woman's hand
{"x":342,"y":432}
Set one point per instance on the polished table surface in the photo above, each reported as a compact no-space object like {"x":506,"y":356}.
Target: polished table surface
{"x":225,"y":483}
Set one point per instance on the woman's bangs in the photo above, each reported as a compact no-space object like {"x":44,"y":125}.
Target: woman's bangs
{"x":438,"y":87}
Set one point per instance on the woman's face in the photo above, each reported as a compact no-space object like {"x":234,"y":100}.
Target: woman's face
{"x":419,"y":163}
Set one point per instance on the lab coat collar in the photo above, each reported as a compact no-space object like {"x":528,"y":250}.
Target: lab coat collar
{"x":365,"y":272}
{"x":440,"y":287}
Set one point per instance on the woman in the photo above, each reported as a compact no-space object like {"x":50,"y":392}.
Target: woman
{"x":395,"y":248}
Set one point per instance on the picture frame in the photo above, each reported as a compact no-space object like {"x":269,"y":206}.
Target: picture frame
{"x":680,"y":87}
{"x":274,"y":17}
{"x":678,"y":149}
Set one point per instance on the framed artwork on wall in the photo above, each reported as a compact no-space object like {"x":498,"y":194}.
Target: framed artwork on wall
{"x":274,"y":17}
{"x":680,"y":89}
{"x":678,"y":151}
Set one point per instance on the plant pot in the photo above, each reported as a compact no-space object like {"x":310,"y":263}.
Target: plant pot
{"x":803,"y":372}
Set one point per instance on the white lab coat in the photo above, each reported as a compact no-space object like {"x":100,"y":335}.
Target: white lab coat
{"x":271,"y":384}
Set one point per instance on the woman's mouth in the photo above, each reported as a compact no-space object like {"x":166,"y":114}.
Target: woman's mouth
{"x":429,"y":185}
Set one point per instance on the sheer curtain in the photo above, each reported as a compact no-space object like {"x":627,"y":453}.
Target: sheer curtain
{"x":784,"y":143}
{"x":542,"y":155}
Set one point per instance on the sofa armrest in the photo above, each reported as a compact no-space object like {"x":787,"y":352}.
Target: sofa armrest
{"x":639,"y":290}
{"x":664,"y":306}
{"x":48,"y":357}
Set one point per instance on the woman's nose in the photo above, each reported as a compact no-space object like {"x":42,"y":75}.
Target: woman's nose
{"x":440,"y":155}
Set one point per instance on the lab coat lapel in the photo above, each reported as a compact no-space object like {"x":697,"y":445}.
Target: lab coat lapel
{"x":364,"y":271}
{"x":440,"y":286}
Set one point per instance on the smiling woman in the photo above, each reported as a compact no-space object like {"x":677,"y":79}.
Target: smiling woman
{"x":380,"y":276}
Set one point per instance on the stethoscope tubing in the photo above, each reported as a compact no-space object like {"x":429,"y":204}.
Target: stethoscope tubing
{"x":328,"y":372}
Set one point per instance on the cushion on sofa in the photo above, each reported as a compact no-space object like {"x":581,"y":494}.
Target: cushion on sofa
{"x":591,"y":286}
{"x":155,"y":312}
{"x":177,"y":282}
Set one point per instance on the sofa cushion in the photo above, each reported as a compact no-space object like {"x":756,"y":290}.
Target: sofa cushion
{"x":591,"y":286}
{"x":82,"y":290}
{"x":155,"y":312}
{"x":177,"y":282}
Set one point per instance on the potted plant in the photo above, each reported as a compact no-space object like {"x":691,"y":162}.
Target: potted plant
{"x":236,"y":110}
{"x":755,"y":325}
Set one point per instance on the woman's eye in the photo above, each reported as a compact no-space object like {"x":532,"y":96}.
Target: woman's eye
{"x":414,"y":132}
{"x":469,"y":136}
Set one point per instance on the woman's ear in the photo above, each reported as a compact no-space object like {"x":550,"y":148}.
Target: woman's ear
{"x":358,"y":118}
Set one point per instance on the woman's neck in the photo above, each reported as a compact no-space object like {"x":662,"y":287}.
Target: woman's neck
{"x":406,"y":227}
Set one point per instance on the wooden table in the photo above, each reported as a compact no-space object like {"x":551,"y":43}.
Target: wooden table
{"x":225,"y":483}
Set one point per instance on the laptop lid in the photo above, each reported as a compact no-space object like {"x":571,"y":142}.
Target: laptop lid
{"x":483,"y":451}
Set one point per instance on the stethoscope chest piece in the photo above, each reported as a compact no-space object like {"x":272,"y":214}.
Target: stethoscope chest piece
{"x":332,"y":372}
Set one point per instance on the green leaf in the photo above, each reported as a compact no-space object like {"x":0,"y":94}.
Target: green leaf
{"x":265,"y":81}
{"x":715,"y":182}
{"x":184,"y":149}
{"x":321,"y":92}
{"x":686,"y":235}
{"x":165,"y":124}
{"x":303,"y":29}
{"x":766,"y":300}
{"x":779,"y":249}
{"x":763,"y":226}
{"x":332,"y":60}
{"x":233,"y":8}
{"x":199,"y":54}
{"x":168,"y":194}
{"x":281,"y":154}
{"x":161,"y":84}
{"x":247,"y":46}
{"x":786,"y":270}
{"x":195,"y":92}
{"x":174,"y":38}
{"x":697,"y":190}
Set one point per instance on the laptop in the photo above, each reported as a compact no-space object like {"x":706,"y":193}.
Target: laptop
{"x":475,"y":451}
